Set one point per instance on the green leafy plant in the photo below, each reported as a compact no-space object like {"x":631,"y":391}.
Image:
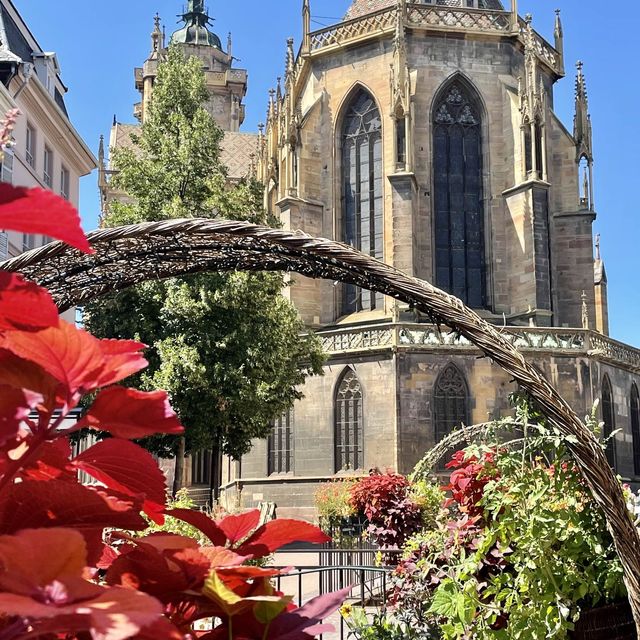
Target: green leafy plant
{"x":227,"y":347}
{"x":333,"y":501}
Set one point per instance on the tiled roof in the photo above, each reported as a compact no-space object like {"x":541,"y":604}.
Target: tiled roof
{"x":235,"y":153}
{"x":235,"y":149}
{"x":363,"y":7}
{"x":121,"y":136}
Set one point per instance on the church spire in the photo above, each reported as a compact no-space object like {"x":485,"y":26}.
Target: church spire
{"x":157,"y":37}
{"x":582,"y":119}
{"x":195,"y":30}
{"x":558,"y":34}
{"x":306,"y":26}
{"x":583,"y":136}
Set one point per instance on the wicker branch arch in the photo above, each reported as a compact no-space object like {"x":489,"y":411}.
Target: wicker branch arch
{"x":129,"y":255}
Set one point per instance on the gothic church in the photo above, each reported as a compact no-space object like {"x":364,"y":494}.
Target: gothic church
{"x":424,"y":134}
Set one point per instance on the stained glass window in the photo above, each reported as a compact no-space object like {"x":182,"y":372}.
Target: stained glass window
{"x":635,"y":428}
{"x":451,"y":402}
{"x":280,"y":445}
{"x":608,"y":417}
{"x":348,"y":425}
{"x":362,"y":192}
{"x":458,"y":196}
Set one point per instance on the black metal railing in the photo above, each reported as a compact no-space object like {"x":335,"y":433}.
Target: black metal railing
{"x":368,"y":589}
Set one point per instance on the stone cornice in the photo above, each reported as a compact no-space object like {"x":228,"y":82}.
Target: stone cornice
{"x":554,"y":341}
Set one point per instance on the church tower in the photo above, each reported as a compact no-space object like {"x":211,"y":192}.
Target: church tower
{"x":227,"y":85}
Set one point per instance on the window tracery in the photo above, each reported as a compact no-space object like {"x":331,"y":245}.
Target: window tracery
{"x":348,"y":423}
{"x":451,"y":402}
{"x":362,"y":191}
{"x":458,"y":196}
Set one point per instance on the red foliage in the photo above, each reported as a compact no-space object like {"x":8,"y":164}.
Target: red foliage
{"x":39,"y":211}
{"x":384,"y":499}
{"x":468,"y":479}
{"x":24,"y":305}
{"x":128,"y":413}
{"x":58,"y":577}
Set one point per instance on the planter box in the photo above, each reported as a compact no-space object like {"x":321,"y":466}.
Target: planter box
{"x":612,"y":622}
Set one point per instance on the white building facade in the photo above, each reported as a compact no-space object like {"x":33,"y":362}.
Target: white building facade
{"x":47,"y":151}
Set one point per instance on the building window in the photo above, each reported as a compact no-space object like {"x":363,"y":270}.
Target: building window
{"x":64,"y":183}
{"x":6,"y":166}
{"x":362,"y":197}
{"x":530,"y":149}
{"x":458,"y":195}
{"x":201,"y":467}
{"x":48,"y":167}
{"x":30,"y":147}
{"x":609,"y":420}
{"x":635,"y":428}
{"x":401,"y":143}
{"x":280,"y":445}
{"x":450,"y":402}
{"x":28,"y":242}
{"x":348,"y":423}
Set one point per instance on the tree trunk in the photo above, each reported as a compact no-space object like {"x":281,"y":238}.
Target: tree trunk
{"x":216,"y":474}
{"x":178,"y":479}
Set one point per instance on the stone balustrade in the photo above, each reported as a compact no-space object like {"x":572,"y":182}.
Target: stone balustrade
{"x":425,"y":337}
{"x":433,"y":18}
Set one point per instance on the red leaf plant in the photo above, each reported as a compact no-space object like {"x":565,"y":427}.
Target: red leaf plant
{"x":72,"y":565}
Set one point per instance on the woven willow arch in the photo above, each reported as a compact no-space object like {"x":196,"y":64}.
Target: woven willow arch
{"x":130,"y":255}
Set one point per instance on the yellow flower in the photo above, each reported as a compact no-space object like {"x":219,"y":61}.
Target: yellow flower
{"x":345,"y":610}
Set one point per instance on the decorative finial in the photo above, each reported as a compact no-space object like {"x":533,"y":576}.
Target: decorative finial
{"x":157,"y":36}
{"x":101,"y":151}
{"x":115,"y":122}
{"x":261,"y":128}
{"x":598,"y":256}
{"x":528,"y":18}
{"x":558,"y":34}
{"x":306,"y":26}
{"x":585,"y":188}
{"x":585,"y":311}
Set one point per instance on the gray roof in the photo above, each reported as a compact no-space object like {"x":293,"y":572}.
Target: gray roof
{"x":360,"y":8}
{"x":236,"y":149}
{"x":15,"y":46}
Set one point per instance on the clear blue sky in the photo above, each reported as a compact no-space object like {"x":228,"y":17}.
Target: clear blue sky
{"x":99,"y":43}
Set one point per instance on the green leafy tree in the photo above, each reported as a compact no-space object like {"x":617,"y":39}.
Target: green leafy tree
{"x":227,"y":347}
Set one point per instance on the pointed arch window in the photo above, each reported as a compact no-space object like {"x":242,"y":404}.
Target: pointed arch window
{"x":609,"y":420}
{"x":362,"y":186}
{"x":280,"y":445}
{"x":451,"y":402}
{"x":533,"y":149}
{"x":635,"y":428}
{"x":348,"y":423}
{"x":458,"y":195}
